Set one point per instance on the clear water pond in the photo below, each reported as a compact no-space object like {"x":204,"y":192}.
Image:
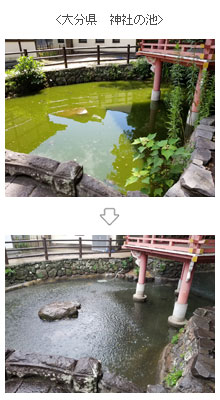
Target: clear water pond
{"x":127,"y":337}
{"x":92,"y":123}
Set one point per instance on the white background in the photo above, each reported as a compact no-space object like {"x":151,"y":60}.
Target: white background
{"x":29,"y":19}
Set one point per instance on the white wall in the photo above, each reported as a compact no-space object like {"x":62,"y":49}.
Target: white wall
{"x":14,"y":47}
{"x":108,"y":42}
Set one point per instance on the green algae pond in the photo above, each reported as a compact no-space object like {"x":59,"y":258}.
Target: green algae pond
{"x":92,"y":123}
{"x":126,"y":337}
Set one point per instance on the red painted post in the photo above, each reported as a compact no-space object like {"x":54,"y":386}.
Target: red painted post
{"x":142,"y":262}
{"x":195,"y":104}
{"x":180,"y":306}
{"x":193,"y":112}
{"x":155,"y":96}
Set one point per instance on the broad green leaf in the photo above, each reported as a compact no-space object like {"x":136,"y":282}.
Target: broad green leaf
{"x":167,"y":153}
{"x":137,"y":156}
{"x":169,"y":182}
{"x":146,"y":180}
{"x":145,"y":190}
{"x":180,"y":151}
{"x":141,"y":149}
{"x":158,"y":162}
{"x":154,"y":170}
{"x":150,"y":144}
{"x":154,"y":153}
{"x":158,"y":192}
{"x":131,"y":179}
{"x":136,"y":141}
{"x":144,"y":172}
{"x":173,"y":140}
{"x":162,"y":143}
{"x":151,"y":136}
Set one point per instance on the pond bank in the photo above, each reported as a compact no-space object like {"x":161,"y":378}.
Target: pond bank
{"x":191,"y":357}
{"x":161,"y":270}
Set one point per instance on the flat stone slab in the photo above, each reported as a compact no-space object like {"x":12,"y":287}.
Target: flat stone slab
{"x":202,"y":143}
{"x":59,"y":310}
{"x":199,"y":180}
{"x":177,"y":191}
{"x":23,"y":186}
{"x":39,"y":373}
{"x":208,"y":120}
{"x":206,"y":127}
{"x":202,"y":154}
{"x":202,"y":133}
{"x":91,"y":187}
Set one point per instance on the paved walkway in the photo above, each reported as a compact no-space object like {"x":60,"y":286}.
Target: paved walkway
{"x":68,"y":257}
{"x":86,"y":62}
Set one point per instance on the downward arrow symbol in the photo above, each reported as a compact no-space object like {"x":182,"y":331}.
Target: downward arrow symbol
{"x":109,"y":215}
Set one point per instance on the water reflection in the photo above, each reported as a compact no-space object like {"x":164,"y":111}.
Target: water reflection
{"x":93,"y":123}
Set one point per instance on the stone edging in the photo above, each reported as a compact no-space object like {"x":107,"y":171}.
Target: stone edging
{"x":51,"y":271}
{"x":193,"y":353}
{"x":196,"y":180}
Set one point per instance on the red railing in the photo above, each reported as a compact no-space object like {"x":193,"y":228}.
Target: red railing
{"x":196,"y":244}
{"x":200,"y":51}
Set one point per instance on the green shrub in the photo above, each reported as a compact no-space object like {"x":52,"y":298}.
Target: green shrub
{"x":9,"y":272}
{"x":172,"y":378}
{"x":163,"y":164}
{"x":26,"y":77}
{"x":140,"y":68}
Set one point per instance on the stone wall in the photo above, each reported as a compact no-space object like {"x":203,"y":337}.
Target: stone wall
{"x":67,"y":268}
{"x":197,"y":179}
{"x":70,"y":76}
{"x":99,"y":73}
{"x":190,"y":356}
{"x":172,"y":269}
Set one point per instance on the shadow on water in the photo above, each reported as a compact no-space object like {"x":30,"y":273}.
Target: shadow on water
{"x":127,"y":337}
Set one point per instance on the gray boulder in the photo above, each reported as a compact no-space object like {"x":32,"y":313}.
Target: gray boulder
{"x":59,"y":310}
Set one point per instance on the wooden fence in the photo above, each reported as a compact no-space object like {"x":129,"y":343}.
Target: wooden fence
{"x":45,"y":246}
{"x":66,"y":55}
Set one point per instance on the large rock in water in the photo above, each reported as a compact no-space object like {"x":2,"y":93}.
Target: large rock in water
{"x":59,"y":310}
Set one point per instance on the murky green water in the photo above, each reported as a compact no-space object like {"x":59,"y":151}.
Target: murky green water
{"x":127,"y":337}
{"x":46,"y":124}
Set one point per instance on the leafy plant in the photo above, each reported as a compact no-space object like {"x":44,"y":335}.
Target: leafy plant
{"x":114,"y":72}
{"x":95,"y":268}
{"x":172,"y":378}
{"x":26,"y":77}
{"x":162,"y":267}
{"x":175,"y":123}
{"x":9,"y":272}
{"x":175,"y":339}
{"x":207,"y":95}
{"x":124,"y":264}
{"x":140,"y":68}
{"x":163,"y":164}
{"x":136,"y":270}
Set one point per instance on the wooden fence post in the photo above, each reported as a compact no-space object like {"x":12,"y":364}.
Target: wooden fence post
{"x":65,"y":57}
{"x":6,"y":257}
{"x":128,"y":54}
{"x":110,"y":248}
{"x":98,"y":54}
{"x":25,"y":53}
{"x":45,"y":248}
{"x":80,"y":247}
